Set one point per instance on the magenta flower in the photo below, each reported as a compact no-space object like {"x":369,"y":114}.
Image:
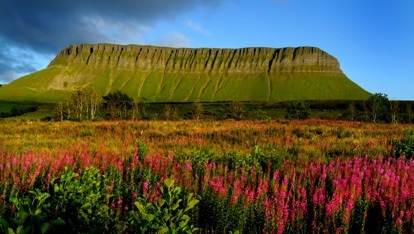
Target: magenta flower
{"x":145,"y":186}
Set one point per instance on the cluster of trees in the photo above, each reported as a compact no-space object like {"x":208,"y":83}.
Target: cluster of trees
{"x":378,"y":108}
{"x":84,"y":104}
{"x":120,"y":106}
{"x":81,"y":104}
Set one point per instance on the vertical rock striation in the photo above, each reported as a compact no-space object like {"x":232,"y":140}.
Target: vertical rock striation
{"x":244,"y":60}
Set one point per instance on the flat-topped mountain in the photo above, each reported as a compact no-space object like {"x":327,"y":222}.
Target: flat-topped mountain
{"x":162,"y":74}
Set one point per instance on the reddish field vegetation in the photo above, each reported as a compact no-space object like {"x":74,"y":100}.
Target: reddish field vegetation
{"x":249,"y":177}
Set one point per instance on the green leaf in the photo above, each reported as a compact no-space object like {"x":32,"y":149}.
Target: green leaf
{"x":44,"y":227}
{"x":4,"y":224}
{"x":161,"y":202}
{"x":85,"y":216}
{"x":10,"y":231}
{"x":169,"y":182}
{"x":14,"y":200}
{"x":175,"y":206}
{"x":38,"y":212}
{"x":163,"y":230}
{"x":55,"y":188}
{"x":58,"y":221}
{"x":43,"y":197}
{"x":189,"y":196}
{"x":179,"y":212}
{"x":166,"y":217}
{"x":23,"y":215}
{"x":183,"y":223}
{"x":140,"y":207}
{"x":21,"y":229}
{"x":191,"y":204}
{"x":148,"y":217}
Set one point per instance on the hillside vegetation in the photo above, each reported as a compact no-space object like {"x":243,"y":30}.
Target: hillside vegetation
{"x":161,"y":74}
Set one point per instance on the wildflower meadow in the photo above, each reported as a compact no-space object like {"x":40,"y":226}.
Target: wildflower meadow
{"x":308,"y":176}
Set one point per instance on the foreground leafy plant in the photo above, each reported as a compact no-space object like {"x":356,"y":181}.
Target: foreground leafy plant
{"x":169,"y":214}
{"x":403,"y":147}
{"x":31,"y":216}
{"x":81,"y":196}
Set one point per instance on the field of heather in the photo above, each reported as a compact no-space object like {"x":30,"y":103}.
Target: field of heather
{"x":311,"y":176}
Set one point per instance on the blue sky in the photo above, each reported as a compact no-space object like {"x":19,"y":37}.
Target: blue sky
{"x":373,"y":40}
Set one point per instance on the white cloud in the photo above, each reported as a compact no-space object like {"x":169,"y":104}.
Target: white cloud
{"x":198,"y":28}
{"x":175,"y":39}
{"x":119,"y":32}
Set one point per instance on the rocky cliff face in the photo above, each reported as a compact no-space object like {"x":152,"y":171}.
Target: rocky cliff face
{"x":245,"y":60}
{"x":162,"y":74}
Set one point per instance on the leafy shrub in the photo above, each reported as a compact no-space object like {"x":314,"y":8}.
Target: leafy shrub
{"x":342,"y":132}
{"x":403,"y":147}
{"x":81,"y":199}
{"x":32,"y":215}
{"x":259,"y":113}
{"x":169,"y":214}
{"x":298,"y":110}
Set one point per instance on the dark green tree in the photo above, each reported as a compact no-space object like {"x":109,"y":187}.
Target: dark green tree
{"x":394,"y":110}
{"x":408,"y":112}
{"x":378,"y":106}
{"x":118,"y":105}
{"x":236,"y":110}
{"x":198,"y":111}
{"x":143,"y":103}
{"x":351,"y":112}
{"x":298,"y":110}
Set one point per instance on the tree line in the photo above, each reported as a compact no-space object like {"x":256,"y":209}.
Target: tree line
{"x":377,"y":109}
{"x":84,"y":104}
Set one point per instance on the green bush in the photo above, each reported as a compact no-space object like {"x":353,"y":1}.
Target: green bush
{"x":169,"y":214}
{"x":403,"y":147}
{"x":32,"y":214}
{"x":298,"y":110}
{"x":81,"y":199}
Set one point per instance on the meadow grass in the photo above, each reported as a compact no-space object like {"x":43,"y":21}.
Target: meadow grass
{"x":308,"y":176}
{"x":309,"y":139}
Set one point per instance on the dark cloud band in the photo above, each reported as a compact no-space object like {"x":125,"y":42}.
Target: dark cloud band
{"x":47,"y":26}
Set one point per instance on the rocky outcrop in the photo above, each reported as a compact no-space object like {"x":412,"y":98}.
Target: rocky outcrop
{"x":150,"y":58}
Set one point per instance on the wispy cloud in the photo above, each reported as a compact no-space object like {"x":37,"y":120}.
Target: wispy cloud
{"x":198,"y":28}
{"x":14,"y":62}
{"x":175,"y":40}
